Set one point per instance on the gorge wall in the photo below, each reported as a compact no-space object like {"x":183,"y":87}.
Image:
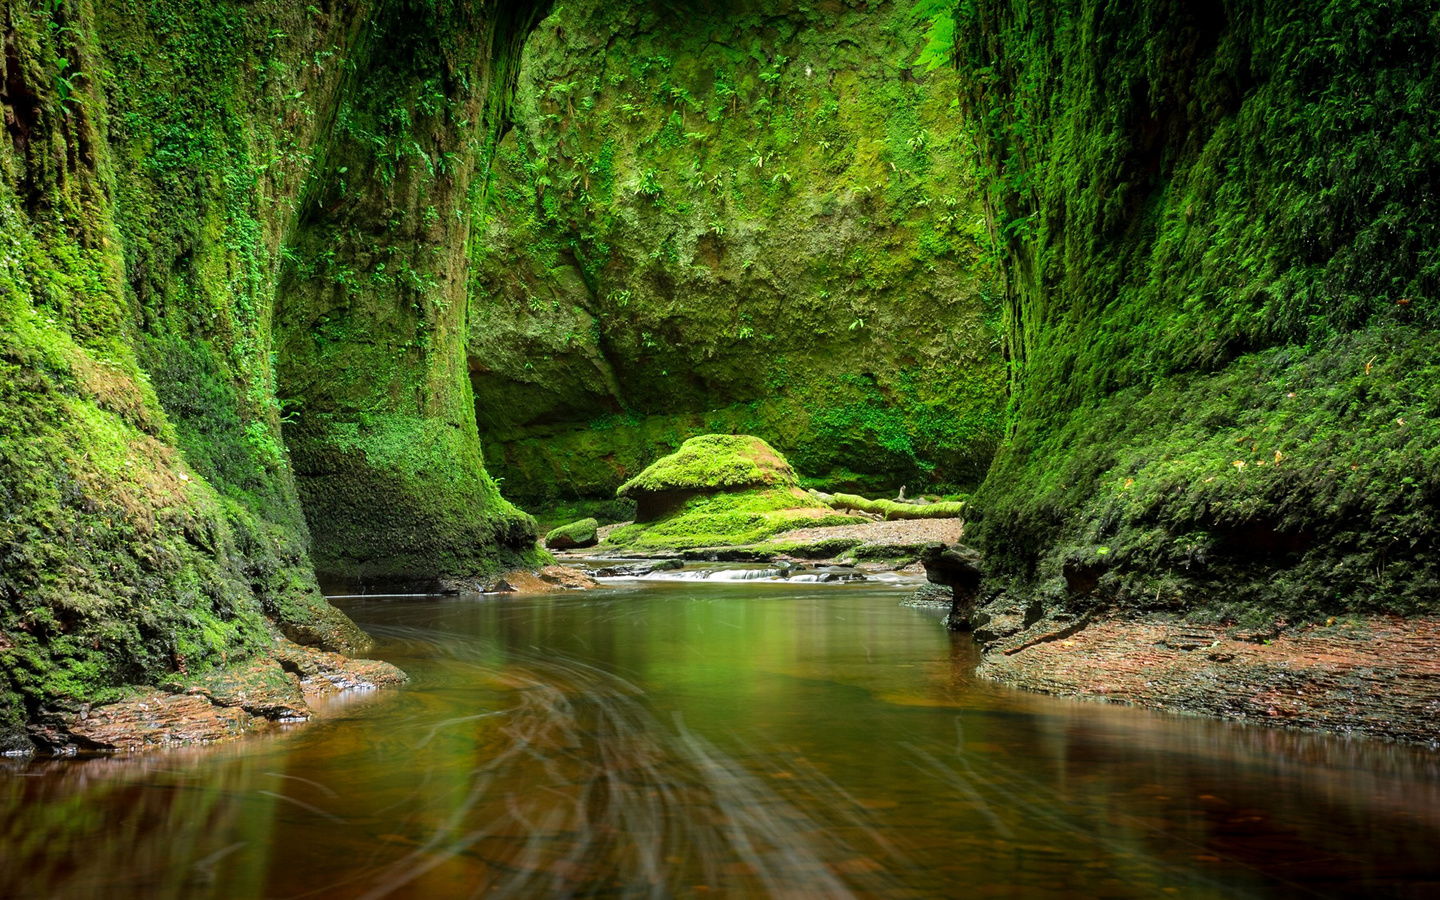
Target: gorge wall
{"x":228,"y":229}
{"x":1220,"y":234}
{"x":261,"y":292}
{"x":734,"y":217}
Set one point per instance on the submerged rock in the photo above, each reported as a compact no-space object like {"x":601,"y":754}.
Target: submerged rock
{"x":636,"y":570}
{"x":839,"y":573}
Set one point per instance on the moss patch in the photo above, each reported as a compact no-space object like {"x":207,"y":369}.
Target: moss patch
{"x":728,"y":519}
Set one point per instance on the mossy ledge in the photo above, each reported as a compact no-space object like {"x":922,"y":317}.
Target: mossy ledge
{"x":167,"y":172}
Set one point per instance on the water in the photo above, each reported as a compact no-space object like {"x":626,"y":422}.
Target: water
{"x":731,"y":738}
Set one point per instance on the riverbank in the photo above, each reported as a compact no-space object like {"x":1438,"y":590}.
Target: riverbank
{"x":278,"y":687}
{"x":253,"y":697}
{"x":1374,"y":676}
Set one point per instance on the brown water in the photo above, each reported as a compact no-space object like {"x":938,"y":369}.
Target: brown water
{"x":708,"y":740}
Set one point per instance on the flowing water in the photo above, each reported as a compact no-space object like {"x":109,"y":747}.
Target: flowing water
{"x":734,"y":737}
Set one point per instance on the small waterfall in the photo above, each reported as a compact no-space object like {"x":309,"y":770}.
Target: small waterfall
{"x":744,"y":574}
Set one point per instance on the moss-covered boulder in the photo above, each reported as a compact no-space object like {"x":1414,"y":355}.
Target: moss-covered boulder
{"x":717,"y":490}
{"x":584,"y":533}
{"x":728,"y":519}
{"x":707,"y":464}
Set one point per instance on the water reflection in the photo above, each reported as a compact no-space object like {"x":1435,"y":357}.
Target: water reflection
{"x":672,"y":740}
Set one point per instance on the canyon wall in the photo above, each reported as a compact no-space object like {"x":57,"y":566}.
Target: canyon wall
{"x":1219,"y":231}
{"x":168,"y":173}
{"x":734,"y":217}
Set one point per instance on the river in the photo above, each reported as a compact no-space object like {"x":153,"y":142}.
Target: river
{"x":720,"y":739}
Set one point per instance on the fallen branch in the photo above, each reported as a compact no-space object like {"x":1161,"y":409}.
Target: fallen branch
{"x":890,"y":509}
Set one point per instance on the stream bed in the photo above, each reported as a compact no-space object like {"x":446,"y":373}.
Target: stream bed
{"x":686,"y":737}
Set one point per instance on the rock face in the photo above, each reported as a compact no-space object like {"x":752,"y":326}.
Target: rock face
{"x":573,"y":536}
{"x":751,"y":217}
{"x":1223,"y":305}
{"x":181,"y":226}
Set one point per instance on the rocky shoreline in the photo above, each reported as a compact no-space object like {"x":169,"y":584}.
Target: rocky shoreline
{"x":257,"y":696}
{"x":1373,"y":675}
{"x":279,"y":687}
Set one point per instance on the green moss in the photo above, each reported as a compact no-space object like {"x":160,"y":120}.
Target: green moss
{"x":149,"y":518}
{"x":13,"y":738}
{"x":771,"y":233}
{"x":1222,"y":263}
{"x":727,"y":520}
{"x":373,"y":303}
{"x":892,"y":509}
{"x":1296,"y":480}
{"x":577,"y":534}
{"x":714,"y":462}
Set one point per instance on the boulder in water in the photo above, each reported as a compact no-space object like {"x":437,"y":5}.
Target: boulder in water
{"x":957,"y":568}
{"x":636,"y":570}
{"x":839,"y":573}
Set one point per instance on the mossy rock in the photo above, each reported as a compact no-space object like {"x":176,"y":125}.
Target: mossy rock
{"x":707,"y":464}
{"x":728,"y":519}
{"x":584,"y":533}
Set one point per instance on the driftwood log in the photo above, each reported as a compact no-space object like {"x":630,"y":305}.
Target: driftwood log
{"x":891,"y":509}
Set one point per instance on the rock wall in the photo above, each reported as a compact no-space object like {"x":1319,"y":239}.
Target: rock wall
{"x":373,"y":301}
{"x":1220,"y":236}
{"x":734,"y":217}
{"x":162,"y":162}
